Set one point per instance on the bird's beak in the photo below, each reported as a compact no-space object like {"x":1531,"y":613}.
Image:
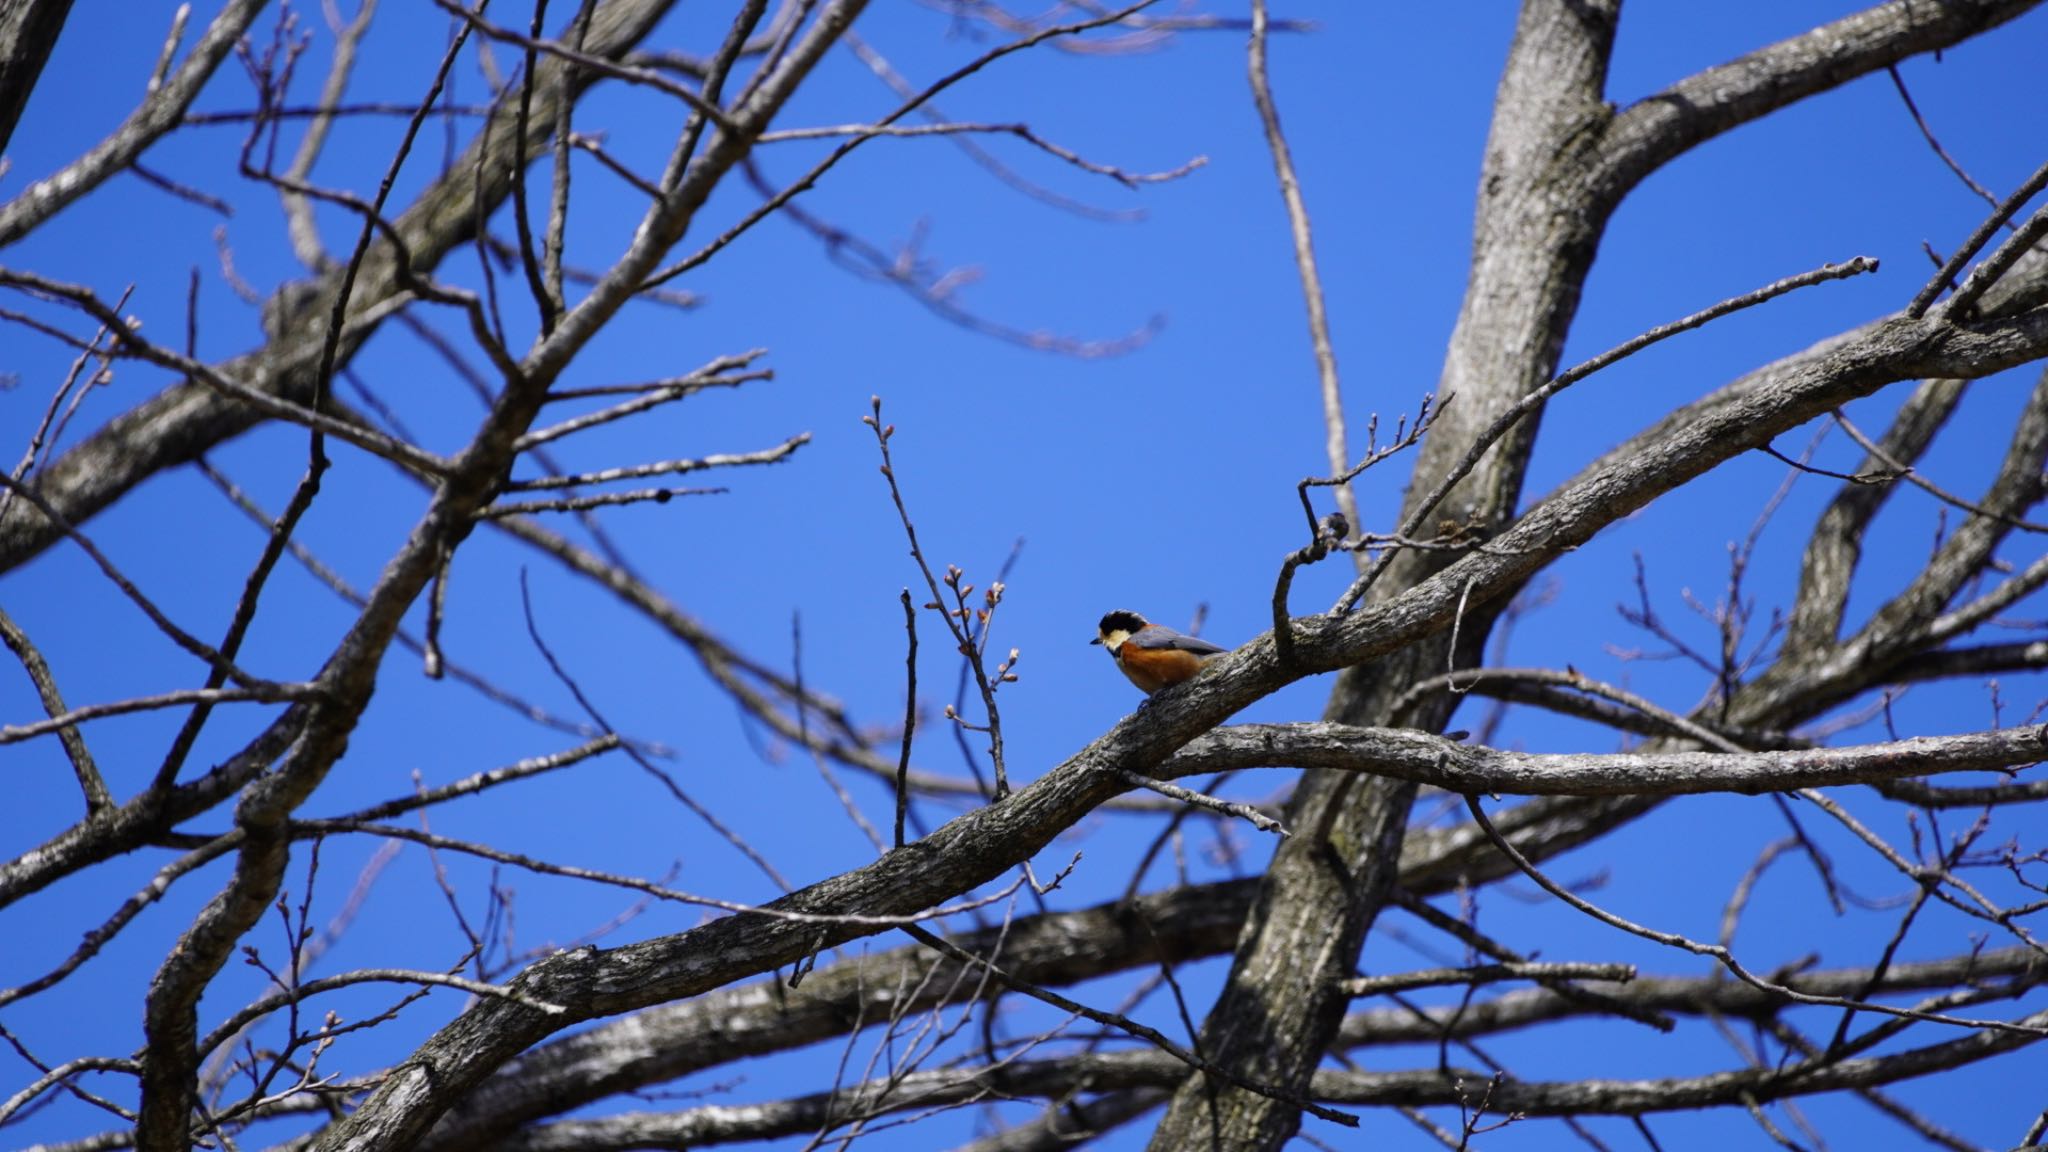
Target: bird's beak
{"x":1097,"y":640}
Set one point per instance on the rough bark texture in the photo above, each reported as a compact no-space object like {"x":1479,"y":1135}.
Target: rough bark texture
{"x":1557,"y":164}
{"x":1533,"y":241}
{"x":28,"y":34}
{"x":982,"y":844}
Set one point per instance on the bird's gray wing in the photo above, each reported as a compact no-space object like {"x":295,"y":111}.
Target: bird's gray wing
{"x":1153,"y":638}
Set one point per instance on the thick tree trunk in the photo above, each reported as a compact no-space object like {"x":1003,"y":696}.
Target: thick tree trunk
{"x":1536,"y":230}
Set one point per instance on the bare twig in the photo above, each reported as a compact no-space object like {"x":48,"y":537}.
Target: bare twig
{"x":971,"y":646}
{"x":939,"y":291}
{"x":299,"y":225}
{"x":583,"y":503}
{"x":909,"y":715}
{"x":1580,"y":371}
{"x":1962,"y":256}
{"x":65,"y":722}
{"x":648,"y":396}
{"x":1248,"y":812}
{"x":1913,"y":476}
{"x":1485,"y":974}
{"x":1333,"y":532}
{"x":534,"y":45}
{"x":183,"y":639}
{"x":90,"y":782}
{"x":957,"y":128}
{"x":803,"y":726}
{"x":1141,"y":1031}
{"x":1927,"y":133}
{"x":936,"y":117}
{"x":773,"y":455}
{"x":45,"y":433}
{"x":809,"y":179}
{"x":160,"y":111}
{"x":710,"y":818}
{"x":369,"y":440}
{"x":1305,"y":264}
{"x":1715,"y":951}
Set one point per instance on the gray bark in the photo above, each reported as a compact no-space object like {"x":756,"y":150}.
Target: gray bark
{"x":1558,"y":162}
{"x":28,"y":34}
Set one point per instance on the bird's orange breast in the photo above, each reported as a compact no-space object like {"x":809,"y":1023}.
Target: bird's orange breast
{"x":1154,"y":668}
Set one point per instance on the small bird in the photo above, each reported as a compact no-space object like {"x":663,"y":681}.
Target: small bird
{"x":1151,"y":655}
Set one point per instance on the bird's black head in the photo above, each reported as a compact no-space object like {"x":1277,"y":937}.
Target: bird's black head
{"x":1120,"y":621}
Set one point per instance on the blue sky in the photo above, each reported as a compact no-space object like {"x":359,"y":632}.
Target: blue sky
{"x":1157,"y":480}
